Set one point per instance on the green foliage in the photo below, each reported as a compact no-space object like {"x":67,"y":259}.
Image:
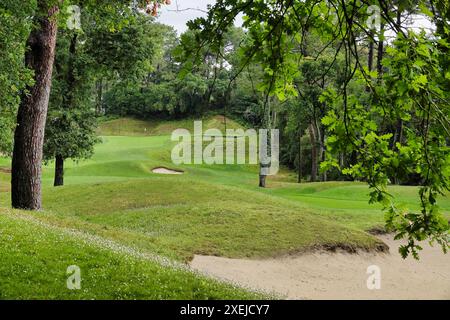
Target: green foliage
{"x":71,"y":122}
{"x":142,"y":102}
{"x":410,"y":89}
{"x":15,"y":27}
{"x":153,"y":90}
{"x":109,"y":45}
{"x":124,"y":51}
{"x":170,"y":87}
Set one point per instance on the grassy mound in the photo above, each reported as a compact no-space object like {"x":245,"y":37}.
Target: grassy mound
{"x":213,"y":210}
{"x":135,"y":127}
{"x":181,"y":217}
{"x":35,"y":258}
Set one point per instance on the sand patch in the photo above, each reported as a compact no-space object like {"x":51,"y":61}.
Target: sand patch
{"x":162,"y":170}
{"x":325,"y":275}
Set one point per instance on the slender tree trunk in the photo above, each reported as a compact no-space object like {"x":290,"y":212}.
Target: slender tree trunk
{"x":268,"y":125}
{"x":323,"y":156}
{"x":300,"y":158}
{"x":69,"y":96}
{"x":380,"y":53}
{"x":371,"y":51}
{"x":68,"y":103}
{"x":59,"y":171}
{"x":398,"y":134}
{"x":262,"y":181}
{"x":320,"y":138}
{"x":313,"y":138}
{"x":99,"y":102}
{"x":398,"y":138}
{"x":32,"y":113}
{"x":370,"y":55}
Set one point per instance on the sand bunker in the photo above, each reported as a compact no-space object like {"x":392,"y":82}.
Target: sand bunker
{"x":162,"y":170}
{"x":325,"y":275}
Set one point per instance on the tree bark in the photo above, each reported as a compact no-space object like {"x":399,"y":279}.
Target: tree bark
{"x":380,"y":53}
{"x":32,"y":113}
{"x":59,"y":171}
{"x":323,"y":156}
{"x":371,"y":51}
{"x":370,"y":56}
{"x":99,"y":102}
{"x":313,"y":138}
{"x":300,"y":158}
{"x":69,"y":96}
{"x":262,"y":181}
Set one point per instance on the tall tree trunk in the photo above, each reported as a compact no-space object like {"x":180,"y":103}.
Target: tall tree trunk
{"x":300,"y":158}
{"x":69,"y":96}
{"x":323,"y":156}
{"x":262,"y":181}
{"x":32,"y":113}
{"x":267,"y":122}
{"x":370,"y":56}
{"x":320,"y":138}
{"x":371,"y":51}
{"x":99,"y":102}
{"x":380,"y":52}
{"x":59,"y":171}
{"x":312,"y":134}
{"x":398,"y":136}
{"x":68,"y":103}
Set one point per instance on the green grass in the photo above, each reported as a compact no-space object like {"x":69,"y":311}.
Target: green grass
{"x":134,"y":127}
{"x":213,"y":210}
{"x":348,"y":202}
{"x":35,"y":258}
{"x":182,"y":217}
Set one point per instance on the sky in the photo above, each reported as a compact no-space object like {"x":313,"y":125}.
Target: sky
{"x":181,"y":11}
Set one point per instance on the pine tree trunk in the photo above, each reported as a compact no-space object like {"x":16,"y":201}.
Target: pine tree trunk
{"x":32,"y":114}
{"x":59,"y":171}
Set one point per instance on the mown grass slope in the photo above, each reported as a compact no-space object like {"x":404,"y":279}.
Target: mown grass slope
{"x":210,"y":209}
{"x":135,"y":127}
{"x":35,"y":258}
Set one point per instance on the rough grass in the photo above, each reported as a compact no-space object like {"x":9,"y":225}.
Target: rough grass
{"x":4,"y":180}
{"x":35,"y":258}
{"x":183,"y":217}
{"x":135,"y":127}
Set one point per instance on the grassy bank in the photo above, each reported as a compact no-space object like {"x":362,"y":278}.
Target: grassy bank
{"x":211,"y":210}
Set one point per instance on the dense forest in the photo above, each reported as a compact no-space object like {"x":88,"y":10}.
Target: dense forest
{"x":353,"y":99}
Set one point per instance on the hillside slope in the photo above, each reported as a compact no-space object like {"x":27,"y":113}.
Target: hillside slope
{"x":35,"y":258}
{"x":215,"y":210}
